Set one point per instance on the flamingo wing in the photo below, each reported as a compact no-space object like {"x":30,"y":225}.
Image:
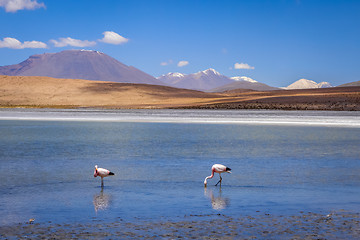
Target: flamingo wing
{"x":102,"y":172}
{"x":219,"y":168}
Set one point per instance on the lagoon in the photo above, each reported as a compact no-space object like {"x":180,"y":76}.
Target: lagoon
{"x":282,"y":163}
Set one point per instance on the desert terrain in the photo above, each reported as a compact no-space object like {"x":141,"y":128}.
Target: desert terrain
{"x":46,"y":92}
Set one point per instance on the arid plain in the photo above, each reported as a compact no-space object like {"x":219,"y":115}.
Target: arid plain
{"x":45,"y":92}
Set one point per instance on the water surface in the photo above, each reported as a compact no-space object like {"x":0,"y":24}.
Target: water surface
{"x":282,"y":162}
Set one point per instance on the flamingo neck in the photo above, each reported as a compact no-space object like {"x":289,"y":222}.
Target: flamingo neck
{"x":212,"y":173}
{"x":211,"y":176}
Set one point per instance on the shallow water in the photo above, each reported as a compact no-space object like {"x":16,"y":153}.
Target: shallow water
{"x":161,"y":158}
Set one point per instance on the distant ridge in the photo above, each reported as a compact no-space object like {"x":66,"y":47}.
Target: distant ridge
{"x":79,"y":64}
{"x":351,"y":84}
{"x":244,"y":85}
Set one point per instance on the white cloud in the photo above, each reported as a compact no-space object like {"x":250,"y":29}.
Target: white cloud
{"x":63,"y":42}
{"x":15,"y":5}
{"x":113,"y":38}
{"x":166,"y":63}
{"x":243,"y":66}
{"x":182,"y":63}
{"x":16,"y":44}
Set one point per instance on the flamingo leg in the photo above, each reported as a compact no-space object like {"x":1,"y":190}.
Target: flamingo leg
{"x":219,"y":180}
{"x":102,"y":182}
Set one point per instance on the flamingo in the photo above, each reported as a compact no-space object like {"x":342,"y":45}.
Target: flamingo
{"x":102,"y":172}
{"x":219,"y":168}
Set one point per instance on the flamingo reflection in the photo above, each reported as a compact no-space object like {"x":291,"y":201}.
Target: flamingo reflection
{"x":101,"y":201}
{"x":217,"y":202}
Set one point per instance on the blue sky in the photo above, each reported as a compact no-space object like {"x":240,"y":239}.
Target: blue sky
{"x":275,"y":42}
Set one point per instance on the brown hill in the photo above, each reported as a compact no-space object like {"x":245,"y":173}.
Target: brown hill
{"x":55,"y":92}
{"x":79,"y":64}
{"x":73,"y":93}
{"x":352,"y":84}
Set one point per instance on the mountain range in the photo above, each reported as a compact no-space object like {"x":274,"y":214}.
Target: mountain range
{"x":94,"y":65}
{"x":210,"y":80}
{"x":204,"y":80}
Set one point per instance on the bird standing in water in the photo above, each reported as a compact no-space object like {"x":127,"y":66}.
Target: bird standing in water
{"x":218,"y":168}
{"x":102,"y":172}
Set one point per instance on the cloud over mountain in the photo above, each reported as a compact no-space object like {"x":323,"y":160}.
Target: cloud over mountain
{"x":63,"y":42}
{"x":111,"y":37}
{"x":182,"y":63}
{"x":243,"y":66}
{"x":16,"y":44}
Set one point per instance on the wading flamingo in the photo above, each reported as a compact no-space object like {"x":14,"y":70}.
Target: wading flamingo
{"x":219,"y":168}
{"x":102,"y":172}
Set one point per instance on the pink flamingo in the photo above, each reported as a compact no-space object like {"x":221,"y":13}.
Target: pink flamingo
{"x":219,"y":168}
{"x":102,"y":172}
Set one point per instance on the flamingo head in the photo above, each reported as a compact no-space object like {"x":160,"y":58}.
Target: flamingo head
{"x":205,"y":182}
{"x":95,"y":172}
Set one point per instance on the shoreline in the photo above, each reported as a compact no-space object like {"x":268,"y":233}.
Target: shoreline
{"x":204,"y":116}
{"x":305,"y":225}
{"x":222,"y":106}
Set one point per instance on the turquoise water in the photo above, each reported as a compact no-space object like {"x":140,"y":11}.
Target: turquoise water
{"x":47,"y":164}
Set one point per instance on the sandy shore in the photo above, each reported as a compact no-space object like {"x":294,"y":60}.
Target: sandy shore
{"x":45,"y":92}
{"x":305,"y":225}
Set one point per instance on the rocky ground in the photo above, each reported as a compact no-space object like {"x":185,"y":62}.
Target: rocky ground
{"x":305,"y":225}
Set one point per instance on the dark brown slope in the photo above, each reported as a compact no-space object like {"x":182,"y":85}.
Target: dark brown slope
{"x":336,"y":99}
{"x":244,"y":85}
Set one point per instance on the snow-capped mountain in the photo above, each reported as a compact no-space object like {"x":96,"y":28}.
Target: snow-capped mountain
{"x":203,"y":80}
{"x":305,"y":84}
{"x":212,"y":81}
{"x":209,"y":71}
{"x":243,"y":78}
{"x":172,"y":75}
{"x":171,"y":78}
{"x":324,"y":85}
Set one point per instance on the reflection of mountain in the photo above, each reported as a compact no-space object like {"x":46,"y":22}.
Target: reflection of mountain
{"x":101,"y":201}
{"x":217,"y":202}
